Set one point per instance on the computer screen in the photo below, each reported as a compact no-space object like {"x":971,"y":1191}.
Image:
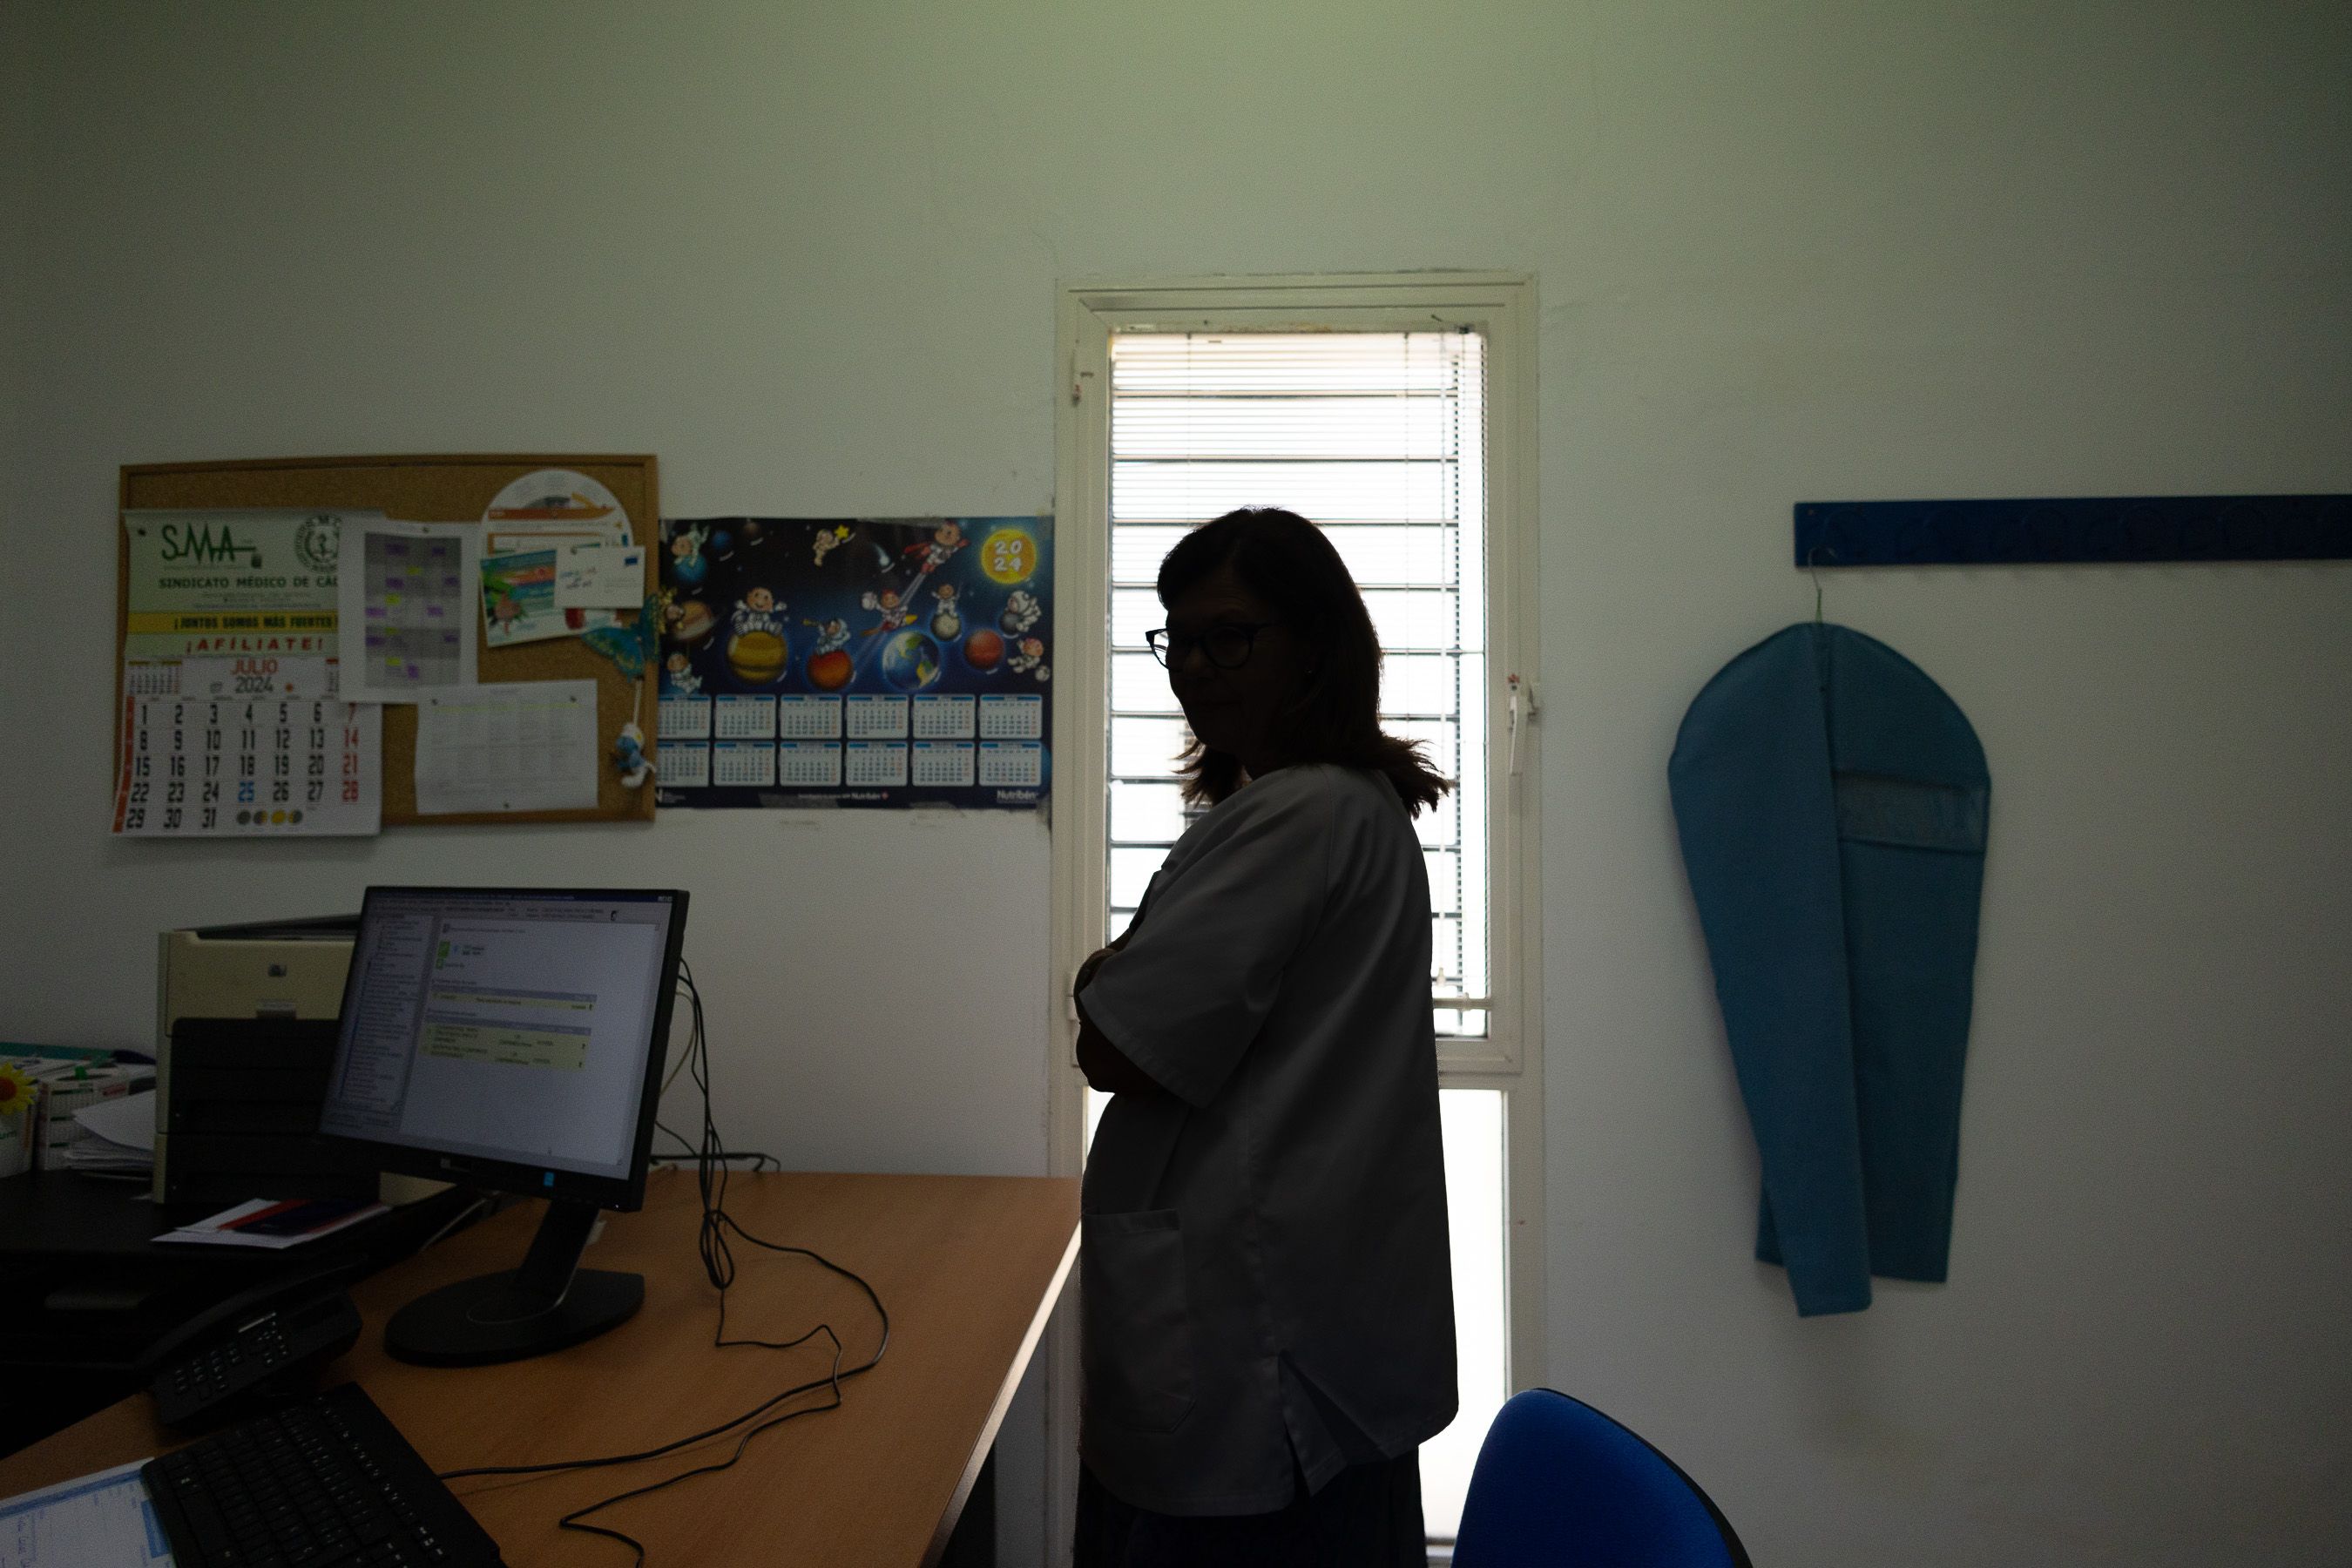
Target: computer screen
{"x":508,"y":1036}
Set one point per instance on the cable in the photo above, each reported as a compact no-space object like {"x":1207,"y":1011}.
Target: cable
{"x":762,"y":1160}
{"x":711,"y":1171}
{"x":464,"y":1216}
{"x":684,"y":1059}
{"x":573,"y":1520}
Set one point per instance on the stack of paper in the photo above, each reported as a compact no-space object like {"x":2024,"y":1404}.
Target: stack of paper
{"x":276,"y":1225}
{"x":118,"y":1137}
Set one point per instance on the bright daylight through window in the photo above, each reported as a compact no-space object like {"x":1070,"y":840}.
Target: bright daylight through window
{"x":1380,"y":438}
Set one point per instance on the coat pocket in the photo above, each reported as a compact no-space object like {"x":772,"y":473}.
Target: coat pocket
{"x":1135,"y":1322}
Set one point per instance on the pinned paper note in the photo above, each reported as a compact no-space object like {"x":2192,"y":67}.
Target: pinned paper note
{"x":551,"y":509}
{"x":407,"y":608}
{"x":521,"y":746}
{"x":601,"y":578}
{"x":519,"y":599}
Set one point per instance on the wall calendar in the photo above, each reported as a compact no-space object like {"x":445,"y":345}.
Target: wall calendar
{"x":199,"y":767}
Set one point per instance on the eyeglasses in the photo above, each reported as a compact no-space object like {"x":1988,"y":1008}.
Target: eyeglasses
{"x":1227,"y":646}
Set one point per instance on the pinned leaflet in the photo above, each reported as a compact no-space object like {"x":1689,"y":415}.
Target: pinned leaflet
{"x":406,"y":604}
{"x":526,"y":745}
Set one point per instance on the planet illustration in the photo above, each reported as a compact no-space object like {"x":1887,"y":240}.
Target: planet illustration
{"x":830,"y":671}
{"x":946,"y":624}
{"x":688,"y":571}
{"x":910,"y":661}
{"x":984,"y":649}
{"x":757,"y":657}
{"x":721,"y":543}
{"x":693,"y":624}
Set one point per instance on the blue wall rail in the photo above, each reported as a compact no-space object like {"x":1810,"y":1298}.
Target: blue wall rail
{"x":2107,"y":528}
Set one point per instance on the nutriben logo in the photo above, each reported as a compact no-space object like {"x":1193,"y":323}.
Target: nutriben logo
{"x":202,"y":544}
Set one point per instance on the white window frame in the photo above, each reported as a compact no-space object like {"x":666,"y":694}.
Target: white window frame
{"x":1501,"y":307}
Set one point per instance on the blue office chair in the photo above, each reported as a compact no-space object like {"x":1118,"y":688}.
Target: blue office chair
{"x":1560,"y":1485}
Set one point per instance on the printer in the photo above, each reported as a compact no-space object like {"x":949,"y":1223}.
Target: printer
{"x":245,"y":1038}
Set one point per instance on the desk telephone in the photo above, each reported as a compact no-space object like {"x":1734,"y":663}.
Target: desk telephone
{"x":260,"y":1346}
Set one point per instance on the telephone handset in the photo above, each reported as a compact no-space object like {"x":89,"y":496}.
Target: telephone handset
{"x":261,"y":1344}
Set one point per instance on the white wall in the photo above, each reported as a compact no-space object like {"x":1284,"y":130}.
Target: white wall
{"x":807,"y":254}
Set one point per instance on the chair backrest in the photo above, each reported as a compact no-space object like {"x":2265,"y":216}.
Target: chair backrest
{"x":1560,"y":1485}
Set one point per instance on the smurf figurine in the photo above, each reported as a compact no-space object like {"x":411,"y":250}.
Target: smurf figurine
{"x":629,"y":755}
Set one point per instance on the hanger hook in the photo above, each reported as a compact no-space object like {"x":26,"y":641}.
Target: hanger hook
{"x":1813,"y":570}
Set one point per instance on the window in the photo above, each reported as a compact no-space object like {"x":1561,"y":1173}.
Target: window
{"x":1392,"y":413}
{"x":1380,"y":438}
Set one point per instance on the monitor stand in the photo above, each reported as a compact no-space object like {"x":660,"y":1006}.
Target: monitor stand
{"x":550,"y":1302}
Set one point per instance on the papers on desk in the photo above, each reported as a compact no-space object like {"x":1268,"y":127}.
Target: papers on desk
{"x":118,"y":1137}
{"x":101,"y":1520}
{"x":275,"y":1223}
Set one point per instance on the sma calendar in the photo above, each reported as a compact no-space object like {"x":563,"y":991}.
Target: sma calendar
{"x":199,"y":767}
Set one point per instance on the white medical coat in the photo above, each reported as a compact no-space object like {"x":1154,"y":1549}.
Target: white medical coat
{"x":1265,"y":1269}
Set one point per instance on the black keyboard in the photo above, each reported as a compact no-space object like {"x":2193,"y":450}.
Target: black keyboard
{"x":321,"y":1484}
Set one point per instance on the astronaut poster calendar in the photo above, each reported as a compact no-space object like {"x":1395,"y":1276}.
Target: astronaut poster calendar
{"x":855,"y":662}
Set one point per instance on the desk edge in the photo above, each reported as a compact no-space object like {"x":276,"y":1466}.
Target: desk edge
{"x":1001,"y":1404}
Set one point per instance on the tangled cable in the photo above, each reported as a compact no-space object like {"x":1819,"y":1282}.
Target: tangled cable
{"x":712,"y":1161}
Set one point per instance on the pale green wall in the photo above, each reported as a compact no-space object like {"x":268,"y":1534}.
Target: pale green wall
{"x":808,"y":255}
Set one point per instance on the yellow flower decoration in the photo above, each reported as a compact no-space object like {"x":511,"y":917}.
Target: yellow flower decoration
{"x":15,"y":1091}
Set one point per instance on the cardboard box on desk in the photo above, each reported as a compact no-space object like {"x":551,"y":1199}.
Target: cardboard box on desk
{"x":68,"y":1088}
{"x":20,"y":1130}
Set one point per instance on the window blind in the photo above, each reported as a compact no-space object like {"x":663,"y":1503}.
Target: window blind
{"x":1378,"y":437}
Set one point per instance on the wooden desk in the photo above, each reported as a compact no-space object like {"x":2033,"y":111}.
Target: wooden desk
{"x":79,"y":1236}
{"x":968,"y":1266}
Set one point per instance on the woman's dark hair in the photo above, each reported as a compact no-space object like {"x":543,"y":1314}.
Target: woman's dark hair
{"x":1284,"y":560}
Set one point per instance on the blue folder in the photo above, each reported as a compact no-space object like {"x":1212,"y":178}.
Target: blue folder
{"x":1832,"y":804}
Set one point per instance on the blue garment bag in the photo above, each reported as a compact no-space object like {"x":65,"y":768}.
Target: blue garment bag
{"x":1832,"y":803}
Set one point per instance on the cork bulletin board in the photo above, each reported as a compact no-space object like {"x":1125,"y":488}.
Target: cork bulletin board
{"x":434,"y":489}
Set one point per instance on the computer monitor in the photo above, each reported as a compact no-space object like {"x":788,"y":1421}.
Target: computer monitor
{"x":510,"y":1038}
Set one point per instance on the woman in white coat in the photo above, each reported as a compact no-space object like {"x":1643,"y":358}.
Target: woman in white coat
{"x":1267,"y":1318}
